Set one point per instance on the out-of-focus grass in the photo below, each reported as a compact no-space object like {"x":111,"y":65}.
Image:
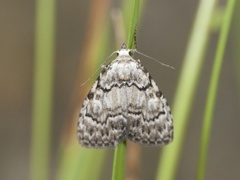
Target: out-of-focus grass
{"x":188,"y":83}
{"x":77,"y":162}
{"x":236,"y":44}
{"x":213,"y":86}
{"x":43,"y":88}
{"x":186,"y":89}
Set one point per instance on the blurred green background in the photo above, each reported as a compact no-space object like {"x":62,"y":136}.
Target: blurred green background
{"x":163,"y":33}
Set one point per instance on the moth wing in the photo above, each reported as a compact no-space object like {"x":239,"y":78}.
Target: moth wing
{"x":149,"y":117}
{"x":101,"y":121}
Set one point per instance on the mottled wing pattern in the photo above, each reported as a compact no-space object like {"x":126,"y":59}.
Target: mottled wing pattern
{"x":102,"y":122}
{"x":124,"y":102}
{"x":149,"y":116}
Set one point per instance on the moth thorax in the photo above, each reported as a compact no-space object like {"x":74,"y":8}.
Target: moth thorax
{"x":124,"y":52}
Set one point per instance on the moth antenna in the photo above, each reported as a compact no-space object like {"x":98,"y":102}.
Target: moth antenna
{"x":163,"y":64}
{"x":135,"y":50}
{"x":135,"y":38}
{"x":100,"y":66}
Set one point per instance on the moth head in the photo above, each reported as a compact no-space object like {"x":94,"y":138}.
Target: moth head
{"x":124,"y":51}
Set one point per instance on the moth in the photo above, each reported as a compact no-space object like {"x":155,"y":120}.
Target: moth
{"x":124,"y":103}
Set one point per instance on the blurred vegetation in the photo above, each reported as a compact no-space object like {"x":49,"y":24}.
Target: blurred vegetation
{"x":43,"y":88}
{"x":213,"y":87}
{"x":76,"y":162}
{"x":187,"y":85}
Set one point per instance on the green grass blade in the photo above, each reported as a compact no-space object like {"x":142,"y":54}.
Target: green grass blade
{"x":81,"y":163}
{"x":77,"y":162}
{"x":212,"y":91}
{"x":119,"y":162}
{"x":133,"y":24}
{"x":43,"y":89}
{"x":186,"y":89}
{"x":118,"y":172}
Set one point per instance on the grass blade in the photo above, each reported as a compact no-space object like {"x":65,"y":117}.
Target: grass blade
{"x":119,"y":162}
{"x":43,"y":88}
{"x":212,"y":91}
{"x":186,"y":88}
{"x":133,"y":24}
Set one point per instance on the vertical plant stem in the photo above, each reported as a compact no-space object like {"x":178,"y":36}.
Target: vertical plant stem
{"x":186,"y":89}
{"x":119,"y":162}
{"x":118,"y":172}
{"x":43,"y":88}
{"x":212,"y":91}
{"x":133,"y":24}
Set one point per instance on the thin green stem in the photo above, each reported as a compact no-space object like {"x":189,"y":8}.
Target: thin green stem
{"x":118,"y":172}
{"x":133,"y":25}
{"x":212,"y":91}
{"x":43,"y":88}
{"x":119,"y":162}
